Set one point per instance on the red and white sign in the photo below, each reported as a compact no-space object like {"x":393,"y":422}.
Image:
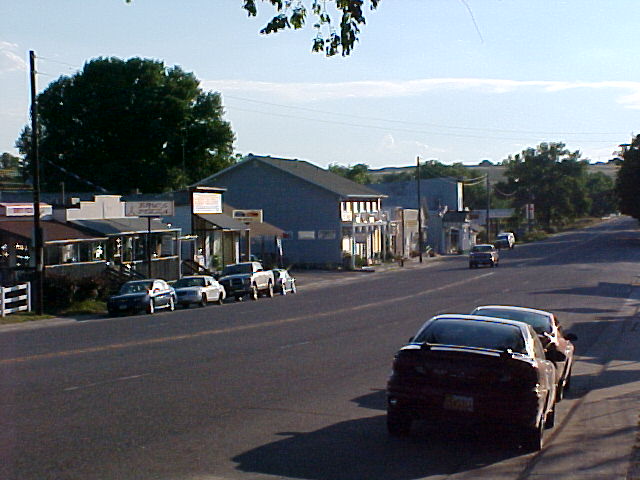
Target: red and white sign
{"x":248,"y":215}
{"x":24,"y":209}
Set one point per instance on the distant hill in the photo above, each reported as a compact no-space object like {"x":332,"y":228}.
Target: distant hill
{"x":496,"y":172}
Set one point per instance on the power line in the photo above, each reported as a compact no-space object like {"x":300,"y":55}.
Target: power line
{"x":396,"y":129}
{"x":404,"y":122}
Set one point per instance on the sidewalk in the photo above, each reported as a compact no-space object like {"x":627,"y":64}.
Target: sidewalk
{"x":311,"y":279}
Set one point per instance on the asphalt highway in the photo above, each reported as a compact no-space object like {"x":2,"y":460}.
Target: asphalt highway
{"x":293,"y":387}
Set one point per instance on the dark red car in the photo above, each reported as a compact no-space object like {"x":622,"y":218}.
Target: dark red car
{"x":474,"y":369}
{"x":549,"y":331}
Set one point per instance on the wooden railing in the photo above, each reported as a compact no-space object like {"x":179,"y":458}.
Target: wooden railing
{"x":15,"y":299}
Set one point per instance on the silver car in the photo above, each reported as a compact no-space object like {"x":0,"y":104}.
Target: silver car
{"x":200,"y":290}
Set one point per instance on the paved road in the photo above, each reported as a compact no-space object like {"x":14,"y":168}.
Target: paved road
{"x":293,"y":387}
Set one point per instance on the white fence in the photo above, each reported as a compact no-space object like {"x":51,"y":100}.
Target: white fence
{"x":15,"y":303}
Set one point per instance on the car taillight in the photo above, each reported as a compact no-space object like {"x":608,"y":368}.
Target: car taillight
{"x":522,"y":374}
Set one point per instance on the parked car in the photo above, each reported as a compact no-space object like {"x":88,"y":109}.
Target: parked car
{"x":547,"y":327}
{"x":505,"y":240}
{"x":483,"y":254}
{"x":199,"y":289}
{"x":284,"y":282}
{"x":466,"y":368}
{"x":247,"y":278}
{"x":142,"y":295}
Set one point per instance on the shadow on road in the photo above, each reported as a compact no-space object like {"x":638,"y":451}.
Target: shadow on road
{"x":603,"y":289}
{"x":362,"y":449}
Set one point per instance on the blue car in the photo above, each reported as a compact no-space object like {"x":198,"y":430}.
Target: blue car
{"x":142,"y":296}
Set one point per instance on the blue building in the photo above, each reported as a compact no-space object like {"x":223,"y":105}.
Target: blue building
{"x":448,"y":227}
{"x":326,"y":218}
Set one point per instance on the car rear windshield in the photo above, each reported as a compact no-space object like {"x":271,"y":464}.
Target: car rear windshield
{"x":136,"y":287}
{"x":482,"y":248}
{"x":538,"y":321}
{"x":238,"y":268}
{"x":189,"y":282}
{"x":471,"y":333}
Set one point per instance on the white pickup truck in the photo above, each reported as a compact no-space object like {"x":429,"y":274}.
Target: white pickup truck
{"x":247,"y":278}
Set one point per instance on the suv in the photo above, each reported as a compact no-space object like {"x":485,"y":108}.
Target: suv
{"x":505,"y":240}
{"x":247,"y":278}
{"x":484,"y":254}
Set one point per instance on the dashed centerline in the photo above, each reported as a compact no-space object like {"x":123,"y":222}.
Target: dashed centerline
{"x":234,"y":329}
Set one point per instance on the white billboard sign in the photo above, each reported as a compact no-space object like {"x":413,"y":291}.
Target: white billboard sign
{"x":149,"y":209}
{"x":206,"y":202}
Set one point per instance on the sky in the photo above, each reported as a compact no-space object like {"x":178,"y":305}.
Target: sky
{"x":446,"y":80}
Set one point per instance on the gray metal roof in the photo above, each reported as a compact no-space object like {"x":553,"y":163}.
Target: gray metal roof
{"x":123,"y":226}
{"x":312,"y":174}
{"x":223,"y":221}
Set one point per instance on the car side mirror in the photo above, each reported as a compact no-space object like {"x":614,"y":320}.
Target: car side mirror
{"x":572,"y":337}
{"x":555,"y":355}
{"x":410,"y":339}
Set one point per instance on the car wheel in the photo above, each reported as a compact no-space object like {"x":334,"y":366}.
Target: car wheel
{"x":238,"y":298}
{"x":293,"y":288}
{"x":471,"y":265}
{"x":172,"y":304}
{"x":270,"y":290}
{"x":398,"y":424}
{"x":532,"y":438}
{"x":151,"y":308}
{"x":203,"y":300}
{"x":283,"y":289}
{"x":253,"y":295}
{"x":220,"y":299}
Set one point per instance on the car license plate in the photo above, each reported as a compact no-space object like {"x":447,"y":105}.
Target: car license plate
{"x":458,"y":402}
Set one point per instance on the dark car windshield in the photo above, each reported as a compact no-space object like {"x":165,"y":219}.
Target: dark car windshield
{"x":538,"y":321}
{"x":237,"y":268}
{"x":482,"y":248}
{"x":189,"y":282}
{"x":136,"y":287}
{"x":471,"y":333}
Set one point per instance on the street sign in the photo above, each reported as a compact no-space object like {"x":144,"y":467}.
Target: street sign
{"x":149,"y":209}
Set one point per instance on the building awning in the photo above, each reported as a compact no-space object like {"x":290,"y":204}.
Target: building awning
{"x":112,"y":227}
{"x":223,"y":221}
{"x":52,"y":231}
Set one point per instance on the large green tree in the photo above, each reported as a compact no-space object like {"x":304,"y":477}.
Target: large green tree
{"x":129,"y":124}
{"x":628,"y":180}
{"x":358,"y":173}
{"x":552,"y":178}
{"x":601,"y":190}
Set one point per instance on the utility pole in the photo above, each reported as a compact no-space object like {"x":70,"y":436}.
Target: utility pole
{"x":488,"y":209}
{"x":419,"y":209}
{"x":35,"y":165}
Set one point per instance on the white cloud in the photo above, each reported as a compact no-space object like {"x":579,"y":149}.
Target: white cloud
{"x":305,"y":92}
{"x":10,"y":61}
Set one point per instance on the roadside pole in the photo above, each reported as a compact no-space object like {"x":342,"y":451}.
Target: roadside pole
{"x":35,"y":165}
{"x":419,"y":209}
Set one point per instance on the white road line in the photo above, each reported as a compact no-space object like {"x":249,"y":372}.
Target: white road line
{"x":96,"y":384}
